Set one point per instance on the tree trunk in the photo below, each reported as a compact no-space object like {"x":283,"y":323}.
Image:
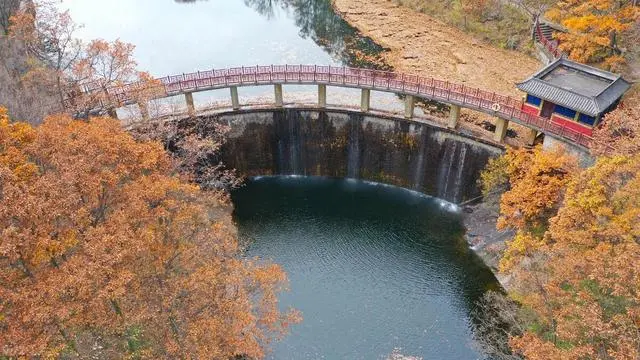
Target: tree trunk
{"x":60,"y":93}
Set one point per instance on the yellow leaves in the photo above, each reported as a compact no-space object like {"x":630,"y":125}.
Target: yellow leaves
{"x":537,"y":180}
{"x":583,"y":278}
{"x":14,"y":137}
{"x":602,"y":204}
{"x":47,"y":249}
{"x":554,"y":14}
{"x":495,"y":177}
{"x":523,"y":244}
{"x":594,"y":27}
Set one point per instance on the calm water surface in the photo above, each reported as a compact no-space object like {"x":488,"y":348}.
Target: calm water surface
{"x":371,"y":267}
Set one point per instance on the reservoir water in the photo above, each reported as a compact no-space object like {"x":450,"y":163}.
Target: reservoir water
{"x":372,"y":267}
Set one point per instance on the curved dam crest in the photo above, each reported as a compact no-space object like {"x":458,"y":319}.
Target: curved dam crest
{"x":346,"y":144}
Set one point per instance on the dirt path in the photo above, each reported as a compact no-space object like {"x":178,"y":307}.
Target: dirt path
{"x":420,"y":44}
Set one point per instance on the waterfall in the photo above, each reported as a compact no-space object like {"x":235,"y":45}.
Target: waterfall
{"x":294,"y":143}
{"x":444,"y":173}
{"x":457,"y":185}
{"x":353,"y":160}
{"x":419,"y":169}
{"x":281,"y":163}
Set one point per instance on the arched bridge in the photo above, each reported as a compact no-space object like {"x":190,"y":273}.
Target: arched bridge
{"x":504,"y":108}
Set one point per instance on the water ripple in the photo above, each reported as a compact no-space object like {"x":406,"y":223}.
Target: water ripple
{"x":372,"y":267}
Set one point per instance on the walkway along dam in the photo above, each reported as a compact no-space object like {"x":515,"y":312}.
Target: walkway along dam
{"x":503,"y":108}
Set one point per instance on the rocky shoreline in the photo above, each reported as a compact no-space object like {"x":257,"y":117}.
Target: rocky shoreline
{"x":483,"y":237}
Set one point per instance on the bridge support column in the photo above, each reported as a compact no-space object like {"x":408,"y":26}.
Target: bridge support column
{"x":530,"y":136}
{"x":144,"y":110}
{"x":409,"y":104}
{"x":501,"y":129}
{"x":191,"y":108}
{"x":322,"y":95}
{"x":365,"y":100}
{"x":454,"y":116}
{"x":278,"y":94}
{"x":235,"y":102}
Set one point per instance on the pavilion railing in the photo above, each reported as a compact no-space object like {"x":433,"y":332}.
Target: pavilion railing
{"x":429,"y":88}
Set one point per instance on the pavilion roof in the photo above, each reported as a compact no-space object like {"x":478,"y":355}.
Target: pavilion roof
{"x":580,"y":87}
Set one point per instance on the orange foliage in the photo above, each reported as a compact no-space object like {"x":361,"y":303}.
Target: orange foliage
{"x":620,"y":130}
{"x":586,"y":296}
{"x":99,"y":240}
{"x":595,"y":27}
{"x":103,"y":70}
{"x":537,"y":179}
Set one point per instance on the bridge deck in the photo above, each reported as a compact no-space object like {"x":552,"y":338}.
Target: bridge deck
{"x":497,"y":105}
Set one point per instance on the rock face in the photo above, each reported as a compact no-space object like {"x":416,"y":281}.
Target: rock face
{"x":413,"y":155}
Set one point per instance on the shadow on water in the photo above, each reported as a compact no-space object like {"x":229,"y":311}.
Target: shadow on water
{"x":318,"y":21}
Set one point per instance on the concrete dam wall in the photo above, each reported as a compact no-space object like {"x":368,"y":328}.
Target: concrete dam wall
{"x":409,"y":154}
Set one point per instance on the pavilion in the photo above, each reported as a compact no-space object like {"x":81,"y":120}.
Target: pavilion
{"x":573,"y":95}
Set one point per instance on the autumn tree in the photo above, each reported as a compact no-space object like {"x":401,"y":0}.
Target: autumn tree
{"x":494,"y":179}
{"x":592,"y":305}
{"x":595,"y":28}
{"x":573,"y":262}
{"x":104,"y":250}
{"x":534,"y":8}
{"x":194,"y":147}
{"x":7,"y":9}
{"x":480,"y":9}
{"x":105,"y":76}
{"x":88,"y":78}
{"x":619,"y":133}
{"x":496,"y":319}
{"x":535,"y":180}
{"x":49,"y":36}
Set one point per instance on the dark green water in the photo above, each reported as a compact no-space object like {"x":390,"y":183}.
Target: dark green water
{"x":372,"y":267}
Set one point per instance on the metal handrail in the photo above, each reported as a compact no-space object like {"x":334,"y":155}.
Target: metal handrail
{"x":550,"y":46}
{"x":507,"y":107}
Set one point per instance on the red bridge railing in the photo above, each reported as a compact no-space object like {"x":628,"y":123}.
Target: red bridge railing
{"x":428,"y":88}
{"x":550,"y":46}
